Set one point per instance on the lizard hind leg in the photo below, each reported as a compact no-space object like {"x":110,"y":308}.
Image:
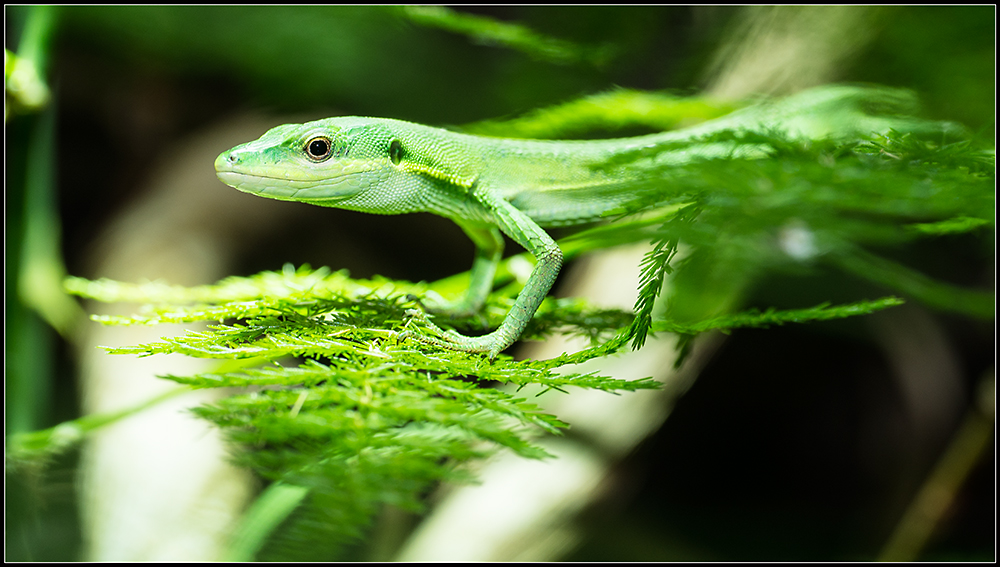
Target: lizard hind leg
{"x":489,"y":251}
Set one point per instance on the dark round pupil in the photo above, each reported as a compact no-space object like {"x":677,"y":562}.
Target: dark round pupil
{"x":319,"y":148}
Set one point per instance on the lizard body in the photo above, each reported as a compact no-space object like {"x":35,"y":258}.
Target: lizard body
{"x":493,"y":185}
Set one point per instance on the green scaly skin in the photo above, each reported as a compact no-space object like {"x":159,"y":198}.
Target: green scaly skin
{"x":493,"y":185}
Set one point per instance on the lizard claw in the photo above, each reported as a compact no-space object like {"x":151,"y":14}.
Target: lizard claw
{"x":447,"y":337}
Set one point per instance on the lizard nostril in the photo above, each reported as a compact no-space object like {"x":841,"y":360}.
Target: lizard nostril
{"x":232,"y":158}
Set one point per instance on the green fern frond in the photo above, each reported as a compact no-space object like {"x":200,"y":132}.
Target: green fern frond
{"x":769,"y":317}
{"x":366,"y":418}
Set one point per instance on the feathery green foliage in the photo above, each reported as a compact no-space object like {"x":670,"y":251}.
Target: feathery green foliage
{"x":365,"y":419}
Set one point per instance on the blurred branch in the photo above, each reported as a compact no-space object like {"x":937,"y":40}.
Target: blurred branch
{"x":489,"y":31}
{"x":941,"y":487}
{"x":979,"y":304}
{"x":23,"y":73}
{"x":42,"y":269}
{"x":267,"y":512}
{"x":25,"y":449}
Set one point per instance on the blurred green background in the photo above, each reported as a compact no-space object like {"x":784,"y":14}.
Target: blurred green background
{"x":794,"y":443}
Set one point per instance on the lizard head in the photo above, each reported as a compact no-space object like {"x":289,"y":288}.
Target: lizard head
{"x":319,"y":162}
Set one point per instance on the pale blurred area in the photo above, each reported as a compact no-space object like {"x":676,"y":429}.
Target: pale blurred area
{"x":157,"y":486}
{"x":781,"y":50}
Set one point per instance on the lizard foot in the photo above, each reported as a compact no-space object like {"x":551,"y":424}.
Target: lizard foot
{"x":451,"y":340}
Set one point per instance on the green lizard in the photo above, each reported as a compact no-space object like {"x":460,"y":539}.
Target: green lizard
{"x":493,"y":185}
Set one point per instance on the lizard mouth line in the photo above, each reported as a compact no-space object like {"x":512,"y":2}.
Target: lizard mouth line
{"x":333,"y":188}
{"x":242,"y":176}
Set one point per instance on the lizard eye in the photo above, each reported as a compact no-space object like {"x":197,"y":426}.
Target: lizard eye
{"x":318,"y":149}
{"x":395,"y":152}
